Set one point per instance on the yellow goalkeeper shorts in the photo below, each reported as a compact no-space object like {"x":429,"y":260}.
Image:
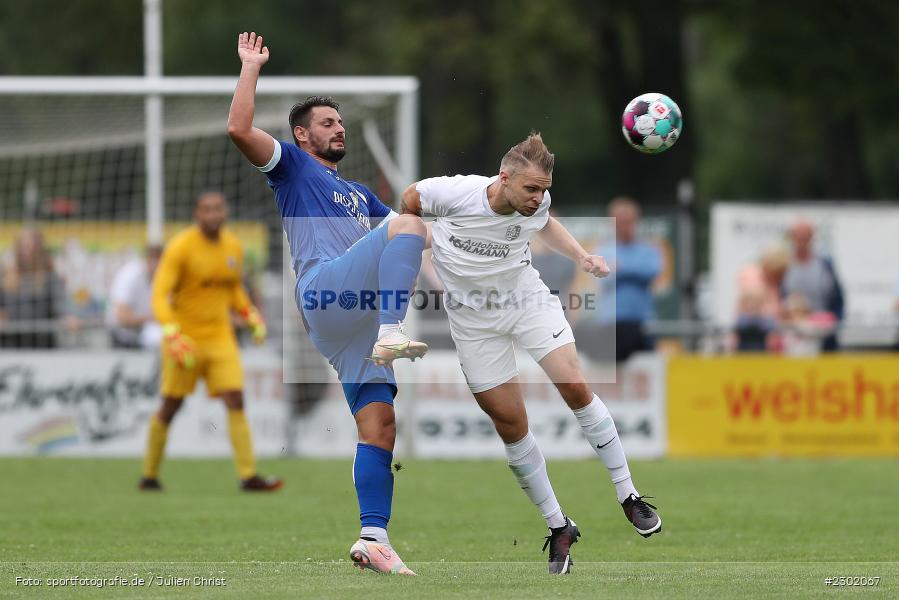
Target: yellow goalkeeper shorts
{"x":217,"y":362}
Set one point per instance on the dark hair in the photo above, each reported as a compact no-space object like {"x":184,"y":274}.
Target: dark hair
{"x":300,"y":113}
{"x":205,"y":193}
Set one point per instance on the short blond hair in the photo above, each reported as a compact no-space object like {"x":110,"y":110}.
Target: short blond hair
{"x":532,"y":152}
{"x":775,"y":258}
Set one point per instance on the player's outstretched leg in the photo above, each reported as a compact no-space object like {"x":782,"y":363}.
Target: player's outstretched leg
{"x":596,"y":422}
{"x":373,"y":479}
{"x":600,"y":431}
{"x":397,"y":270}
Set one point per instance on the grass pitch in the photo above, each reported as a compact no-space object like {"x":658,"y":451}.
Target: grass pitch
{"x":732,"y":529}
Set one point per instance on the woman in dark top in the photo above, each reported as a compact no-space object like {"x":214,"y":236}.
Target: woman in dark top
{"x":31,"y":296}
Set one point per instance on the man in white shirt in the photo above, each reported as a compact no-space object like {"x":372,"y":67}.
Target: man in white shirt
{"x":496,"y":300}
{"x":129,"y":315}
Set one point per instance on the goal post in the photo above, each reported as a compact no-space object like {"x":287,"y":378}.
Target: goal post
{"x":401,"y":168}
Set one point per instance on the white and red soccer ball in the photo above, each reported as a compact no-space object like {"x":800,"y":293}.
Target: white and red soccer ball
{"x":652,"y":123}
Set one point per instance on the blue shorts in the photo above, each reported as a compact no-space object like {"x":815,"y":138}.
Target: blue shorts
{"x":342,"y":325}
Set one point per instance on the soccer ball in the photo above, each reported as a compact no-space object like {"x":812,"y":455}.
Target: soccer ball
{"x":651,"y":123}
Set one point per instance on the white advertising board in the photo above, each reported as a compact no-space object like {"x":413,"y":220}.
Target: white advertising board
{"x":99,"y":403}
{"x":862,"y":241}
{"x":447,"y":422}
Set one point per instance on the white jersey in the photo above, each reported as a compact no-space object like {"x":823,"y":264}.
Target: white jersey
{"x":132,"y":287}
{"x":479,"y":255}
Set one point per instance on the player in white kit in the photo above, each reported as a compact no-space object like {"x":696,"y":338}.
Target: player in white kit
{"x":495,"y":300}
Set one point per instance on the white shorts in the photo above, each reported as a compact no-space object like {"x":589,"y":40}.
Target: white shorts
{"x":486,"y":339}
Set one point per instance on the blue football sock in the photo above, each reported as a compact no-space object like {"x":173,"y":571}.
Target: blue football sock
{"x":374,"y":484}
{"x":397,"y":271}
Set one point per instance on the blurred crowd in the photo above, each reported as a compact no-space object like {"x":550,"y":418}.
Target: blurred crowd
{"x":41,"y":303}
{"x":32,"y":296}
{"x":790,"y":301}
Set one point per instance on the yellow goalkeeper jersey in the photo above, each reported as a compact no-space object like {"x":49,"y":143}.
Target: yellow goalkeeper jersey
{"x":198,"y":281}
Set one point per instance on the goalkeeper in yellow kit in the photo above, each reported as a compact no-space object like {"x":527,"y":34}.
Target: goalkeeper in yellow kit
{"x":197,"y":284}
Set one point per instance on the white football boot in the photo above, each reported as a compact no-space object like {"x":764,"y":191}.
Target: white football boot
{"x":396,"y":344}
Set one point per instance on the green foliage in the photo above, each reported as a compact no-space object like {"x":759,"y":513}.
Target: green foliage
{"x":781,"y":100}
{"x":812,"y":83}
{"x":304,"y":39}
{"x":77,"y":37}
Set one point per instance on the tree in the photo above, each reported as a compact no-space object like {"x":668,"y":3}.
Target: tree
{"x":831,"y":71}
{"x":641,"y":51}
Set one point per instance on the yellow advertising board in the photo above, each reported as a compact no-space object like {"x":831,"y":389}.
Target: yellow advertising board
{"x":835,"y":405}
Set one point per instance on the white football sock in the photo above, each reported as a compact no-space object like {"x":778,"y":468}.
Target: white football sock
{"x":378,"y":534}
{"x":529,"y":467}
{"x":388,"y":329}
{"x":599,"y":429}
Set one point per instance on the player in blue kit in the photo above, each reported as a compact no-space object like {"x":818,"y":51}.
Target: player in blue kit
{"x":343,"y":241}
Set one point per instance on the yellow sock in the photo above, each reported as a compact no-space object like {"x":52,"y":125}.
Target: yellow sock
{"x":156,"y":438}
{"x":242,"y":442}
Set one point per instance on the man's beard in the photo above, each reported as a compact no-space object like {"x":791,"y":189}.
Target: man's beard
{"x":333,"y":154}
{"x":211,"y":230}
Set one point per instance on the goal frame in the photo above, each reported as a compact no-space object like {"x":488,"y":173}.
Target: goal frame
{"x":400,"y":170}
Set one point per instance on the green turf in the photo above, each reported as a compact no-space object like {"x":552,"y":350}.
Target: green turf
{"x":741,"y":529}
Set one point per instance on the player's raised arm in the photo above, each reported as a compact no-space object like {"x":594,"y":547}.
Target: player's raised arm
{"x":255,"y":144}
{"x":560,"y":239}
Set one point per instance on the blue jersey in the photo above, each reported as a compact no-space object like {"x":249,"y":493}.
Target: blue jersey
{"x":323,"y":213}
{"x":626,"y":295}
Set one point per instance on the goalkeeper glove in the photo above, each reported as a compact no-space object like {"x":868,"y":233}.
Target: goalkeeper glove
{"x":255,"y":322}
{"x":178,"y":347}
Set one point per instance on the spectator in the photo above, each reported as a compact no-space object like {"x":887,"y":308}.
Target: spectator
{"x":129,"y":316}
{"x":760,"y":307}
{"x":626,"y":295}
{"x":32,"y":295}
{"x":803,"y":329}
{"x":766,"y":279}
{"x":896,"y":309}
{"x":814,"y":277}
{"x":755,"y":330}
